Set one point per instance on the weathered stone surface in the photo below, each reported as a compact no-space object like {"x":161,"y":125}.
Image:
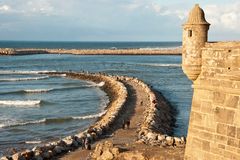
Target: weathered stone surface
{"x":215,"y":70}
{"x":105,"y":151}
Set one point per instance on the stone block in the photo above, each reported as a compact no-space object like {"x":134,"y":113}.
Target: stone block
{"x":224,"y":115}
{"x":232,"y":142}
{"x":218,"y":97}
{"x":238,"y":133}
{"x":206,"y":107}
{"x":206,"y":145}
{"x":206,"y":135}
{"x":221,"y":139}
{"x":222,"y":128}
{"x":197,"y":118}
{"x":231,"y":101}
{"x":231,"y":131}
{"x":209,"y":121}
{"x":221,"y":146}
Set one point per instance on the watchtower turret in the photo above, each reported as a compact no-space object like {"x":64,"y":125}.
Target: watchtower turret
{"x":195,"y":34}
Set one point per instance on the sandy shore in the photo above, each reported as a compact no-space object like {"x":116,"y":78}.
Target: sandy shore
{"x":167,"y":51}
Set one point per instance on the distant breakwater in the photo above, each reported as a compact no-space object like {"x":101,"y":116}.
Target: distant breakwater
{"x":28,"y":51}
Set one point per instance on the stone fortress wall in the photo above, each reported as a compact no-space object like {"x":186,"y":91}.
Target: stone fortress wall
{"x":214,"y":68}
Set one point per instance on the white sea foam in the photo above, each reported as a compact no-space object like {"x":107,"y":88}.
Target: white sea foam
{"x":101,"y":84}
{"x":90,"y":116}
{"x":22,"y":123}
{"x":160,"y":65}
{"x":23,"y":79}
{"x":25,"y":72}
{"x":33,"y":142}
{"x":37,"y":90}
{"x":92,"y":84}
{"x":2,"y":125}
{"x":19,"y":103}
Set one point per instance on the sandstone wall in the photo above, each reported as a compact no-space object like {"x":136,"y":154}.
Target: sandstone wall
{"x":214,"y":127}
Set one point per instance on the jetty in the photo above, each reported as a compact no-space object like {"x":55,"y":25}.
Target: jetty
{"x":29,"y":51}
{"x":151,"y":125}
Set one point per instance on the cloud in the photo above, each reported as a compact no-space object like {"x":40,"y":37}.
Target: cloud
{"x":28,"y":7}
{"x":224,"y":16}
{"x":4,"y":8}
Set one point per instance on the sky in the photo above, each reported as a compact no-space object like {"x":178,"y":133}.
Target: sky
{"x":113,"y":20}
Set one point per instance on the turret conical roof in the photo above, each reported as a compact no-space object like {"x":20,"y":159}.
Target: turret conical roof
{"x":197,"y":16}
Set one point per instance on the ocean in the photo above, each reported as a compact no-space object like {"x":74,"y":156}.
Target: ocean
{"x":37,"y":108}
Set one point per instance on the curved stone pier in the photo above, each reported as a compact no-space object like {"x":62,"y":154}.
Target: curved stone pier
{"x":130,"y":98}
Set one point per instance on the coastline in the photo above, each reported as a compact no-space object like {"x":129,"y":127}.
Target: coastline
{"x":29,"y":51}
{"x":116,"y":111}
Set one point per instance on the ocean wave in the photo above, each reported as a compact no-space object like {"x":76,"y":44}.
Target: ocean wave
{"x":52,"y":120}
{"x":26,"y":72}
{"x":101,"y":84}
{"x":90,"y":116}
{"x":33,"y":142}
{"x":160,"y":65}
{"x":19,"y":103}
{"x":23,"y":79}
{"x":37,"y":90}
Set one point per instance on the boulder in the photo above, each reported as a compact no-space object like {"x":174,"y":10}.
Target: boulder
{"x":178,"y":141}
{"x":18,"y":156}
{"x":27,"y":154}
{"x":169,"y":140}
{"x":105,"y":151}
{"x":58,"y":149}
{"x":47,"y":155}
{"x":151,"y":136}
{"x":161,"y":137}
{"x":4,"y":158}
{"x":106,"y":155}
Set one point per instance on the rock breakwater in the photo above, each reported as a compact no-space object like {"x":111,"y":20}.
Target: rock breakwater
{"x":167,"y":51}
{"x":117,"y":92}
{"x":159,"y":119}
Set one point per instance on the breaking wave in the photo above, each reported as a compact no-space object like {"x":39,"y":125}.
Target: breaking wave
{"x":19,"y":103}
{"x":52,"y":120}
{"x":33,"y":142}
{"x":37,"y":90}
{"x":101,"y":84}
{"x":159,"y":65}
{"x":23,"y":79}
{"x":25,"y":72}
